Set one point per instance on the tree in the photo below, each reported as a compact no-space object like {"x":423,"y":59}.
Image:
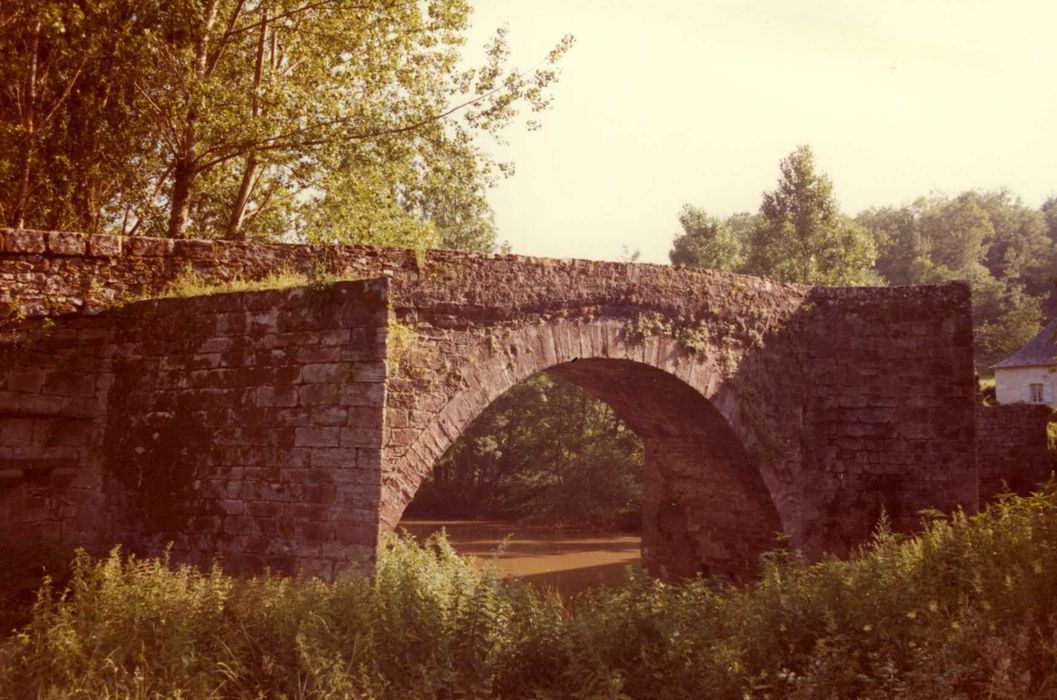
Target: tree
{"x":1005,"y":317}
{"x":1021,"y":248}
{"x":315,"y":119}
{"x":544,"y":451}
{"x":1049,"y":213}
{"x":989,"y":239}
{"x":705,"y":242}
{"x":802,"y":235}
{"x":956,"y":232}
{"x":70,"y":132}
{"x":901,"y":251}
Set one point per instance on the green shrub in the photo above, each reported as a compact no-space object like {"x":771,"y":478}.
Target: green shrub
{"x":965,"y":609}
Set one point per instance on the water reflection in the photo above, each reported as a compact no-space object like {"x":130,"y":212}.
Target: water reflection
{"x":569,"y":561}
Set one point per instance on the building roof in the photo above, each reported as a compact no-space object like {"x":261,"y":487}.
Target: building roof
{"x":1040,"y":350}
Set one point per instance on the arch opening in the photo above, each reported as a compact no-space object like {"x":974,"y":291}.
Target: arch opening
{"x":547,"y":474}
{"x":704,"y":506}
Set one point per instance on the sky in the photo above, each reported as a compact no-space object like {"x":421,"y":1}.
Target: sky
{"x":666,"y":102}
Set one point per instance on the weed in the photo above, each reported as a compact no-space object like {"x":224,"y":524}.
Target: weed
{"x":191,"y":283}
{"x":967,"y":608}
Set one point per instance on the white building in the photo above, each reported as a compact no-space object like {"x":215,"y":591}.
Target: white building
{"x":1030,"y":374}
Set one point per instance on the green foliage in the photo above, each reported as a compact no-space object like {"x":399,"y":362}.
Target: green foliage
{"x":1006,"y":250}
{"x":190,"y":283}
{"x":965,"y":609}
{"x":327,"y":121}
{"x":402,"y":343}
{"x":74,"y":133}
{"x":545,"y":451}
{"x":799,"y":234}
{"x":706,"y":242}
{"x":988,"y":238}
{"x":802,"y":236}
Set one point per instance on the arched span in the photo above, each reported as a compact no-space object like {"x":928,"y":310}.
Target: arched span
{"x":706,"y":505}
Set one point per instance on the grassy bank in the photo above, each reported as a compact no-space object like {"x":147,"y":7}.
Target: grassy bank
{"x":966,"y":609}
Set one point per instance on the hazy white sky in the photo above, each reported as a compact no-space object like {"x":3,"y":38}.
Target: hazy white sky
{"x":667,"y":101}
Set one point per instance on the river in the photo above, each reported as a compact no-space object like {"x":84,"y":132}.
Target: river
{"x":567,"y":560}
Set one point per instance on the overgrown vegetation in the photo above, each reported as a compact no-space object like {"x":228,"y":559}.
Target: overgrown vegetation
{"x":190,"y":283}
{"x":545,"y":451}
{"x":966,"y":609}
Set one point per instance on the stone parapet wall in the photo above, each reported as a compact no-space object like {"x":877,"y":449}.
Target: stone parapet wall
{"x":1012,"y":448}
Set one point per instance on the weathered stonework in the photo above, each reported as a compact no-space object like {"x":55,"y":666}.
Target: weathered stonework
{"x":244,"y":426}
{"x":290,"y":429}
{"x":1012,"y":448}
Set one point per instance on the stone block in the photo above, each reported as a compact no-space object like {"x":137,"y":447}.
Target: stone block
{"x":195,"y":249}
{"x":25,"y":241}
{"x":67,"y":244}
{"x":105,"y":246}
{"x":141,"y":247}
{"x":317,"y":437}
{"x":317,"y":395}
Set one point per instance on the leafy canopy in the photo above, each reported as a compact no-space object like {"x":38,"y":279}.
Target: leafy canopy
{"x":319,"y":120}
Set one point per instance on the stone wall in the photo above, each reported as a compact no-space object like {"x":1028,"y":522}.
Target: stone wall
{"x":763,"y":407}
{"x":245,"y":426}
{"x":834,"y":403}
{"x":1012,"y":448}
{"x":53,"y":392}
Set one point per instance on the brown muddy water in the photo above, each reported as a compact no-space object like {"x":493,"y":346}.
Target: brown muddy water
{"x":567,"y":560}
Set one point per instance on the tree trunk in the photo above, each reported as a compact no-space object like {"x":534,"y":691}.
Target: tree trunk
{"x":183,"y":180}
{"x":238,"y":210}
{"x":184,"y":166}
{"x":25,"y":164}
{"x":18,"y":215}
{"x":252,"y":169}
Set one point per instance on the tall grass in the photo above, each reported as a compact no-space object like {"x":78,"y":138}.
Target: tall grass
{"x":966,"y":609}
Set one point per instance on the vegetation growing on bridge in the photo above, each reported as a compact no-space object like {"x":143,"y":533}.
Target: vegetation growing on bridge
{"x":966,"y":609}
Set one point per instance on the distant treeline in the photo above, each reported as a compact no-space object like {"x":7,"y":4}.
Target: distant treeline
{"x":1005,"y":249}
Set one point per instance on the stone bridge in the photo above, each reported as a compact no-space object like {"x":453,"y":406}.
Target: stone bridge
{"x":290,"y":428}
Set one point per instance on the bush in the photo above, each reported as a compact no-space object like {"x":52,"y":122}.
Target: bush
{"x":965,"y":609}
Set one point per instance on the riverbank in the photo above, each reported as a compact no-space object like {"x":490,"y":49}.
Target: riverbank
{"x":569,"y":561}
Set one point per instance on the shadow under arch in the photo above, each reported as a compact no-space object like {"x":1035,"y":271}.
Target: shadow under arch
{"x":706,"y":506}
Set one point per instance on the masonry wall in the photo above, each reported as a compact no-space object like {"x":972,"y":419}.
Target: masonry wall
{"x":1012,"y":448}
{"x":245,"y":426}
{"x":53,"y":390}
{"x":833,"y":403}
{"x":888,"y":410}
{"x":844,"y":401}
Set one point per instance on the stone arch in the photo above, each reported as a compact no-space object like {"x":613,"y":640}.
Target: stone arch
{"x":707,"y":506}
